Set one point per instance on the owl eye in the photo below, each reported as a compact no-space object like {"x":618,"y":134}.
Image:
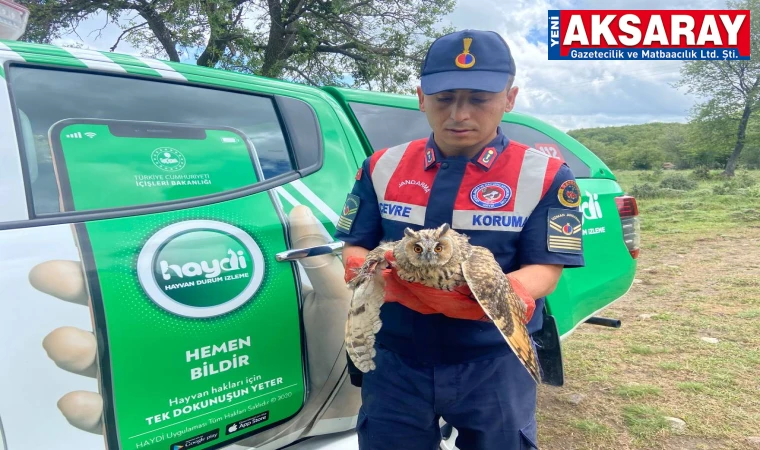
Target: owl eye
{"x":438,"y":248}
{"x":417,"y":249}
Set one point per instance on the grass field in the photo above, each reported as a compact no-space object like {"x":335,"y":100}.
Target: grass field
{"x":689,"y":345}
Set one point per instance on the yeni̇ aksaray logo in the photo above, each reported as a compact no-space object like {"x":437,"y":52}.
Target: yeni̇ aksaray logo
{"x":649,"y":34}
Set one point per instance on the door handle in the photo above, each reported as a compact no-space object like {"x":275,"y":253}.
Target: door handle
{"x":299,"y":253}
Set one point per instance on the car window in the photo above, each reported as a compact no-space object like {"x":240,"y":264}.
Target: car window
{"x":387,"y":126}
{"x":541,"y":141}
{"x":43,"y":97}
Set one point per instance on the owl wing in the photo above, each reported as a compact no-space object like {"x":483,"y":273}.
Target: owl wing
{"x":494,"y":292}
{"x":363,"y":320}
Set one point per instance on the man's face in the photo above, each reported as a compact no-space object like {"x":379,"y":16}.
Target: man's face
{"x":463,"y":120}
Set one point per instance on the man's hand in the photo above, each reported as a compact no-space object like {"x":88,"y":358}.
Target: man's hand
{"x":74,"y":350}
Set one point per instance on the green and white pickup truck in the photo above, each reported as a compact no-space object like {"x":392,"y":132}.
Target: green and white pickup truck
{"x":169,"y":279}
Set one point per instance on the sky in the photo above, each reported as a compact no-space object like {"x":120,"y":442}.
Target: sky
{"x":567,"y":94}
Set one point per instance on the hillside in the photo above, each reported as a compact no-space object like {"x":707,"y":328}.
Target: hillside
{"x":634,"y":146}
{"x":646,"y":146}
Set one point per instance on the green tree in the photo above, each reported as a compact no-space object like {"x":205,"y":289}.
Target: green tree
{"x":732,"y":88}
{"x":377,"y":43}
{"x":751,"y":154}
{"x":710,"y":138}
{"x":672,"y":143}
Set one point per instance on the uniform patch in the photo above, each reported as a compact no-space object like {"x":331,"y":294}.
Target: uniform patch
{"x":429,"y":157}
{"x":491,"y":195}
{"x":564,"y":231}
{"x":347,"y":215}
{"x":487,"y":157}
{"x":569,"y":194}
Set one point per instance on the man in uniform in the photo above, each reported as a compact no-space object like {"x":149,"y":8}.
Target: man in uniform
{"x":436,"y":357}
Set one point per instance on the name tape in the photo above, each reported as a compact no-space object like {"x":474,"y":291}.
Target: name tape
{"x":402,"y":212}
{"x":649,"y":34}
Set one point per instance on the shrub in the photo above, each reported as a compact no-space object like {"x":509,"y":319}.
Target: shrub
{"x":745,"y":180}
{"x":646,"y":190}
{"x":678,"y":181}
{"x":649,"y":190}
{"x":726,"y":188}
{"x":701,"y":173}
{"x":753,"y":192}
{"x":653,"y":175}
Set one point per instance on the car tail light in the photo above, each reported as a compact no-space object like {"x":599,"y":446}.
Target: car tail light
{"x":629,"y":220}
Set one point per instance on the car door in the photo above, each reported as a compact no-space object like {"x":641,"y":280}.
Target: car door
{"x":145,"y":206}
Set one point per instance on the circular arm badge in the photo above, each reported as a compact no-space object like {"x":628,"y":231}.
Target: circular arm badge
{"x":569,"y":194}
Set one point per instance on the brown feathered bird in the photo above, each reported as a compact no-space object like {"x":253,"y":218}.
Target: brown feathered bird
{"x":444,"y":259}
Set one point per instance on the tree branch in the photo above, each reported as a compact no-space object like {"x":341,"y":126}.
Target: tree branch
{"x":159,"y":29}
{"x":126,"y":32}
{"x":239,"y":16}
{"x":293,"y":12}
{"x":727,"y":77}
{"x":100,"y":30}
{"x":342,"y":49}
{"x":332,"y":19}
{"x":740,"y":75}
{"x":299,"y":72}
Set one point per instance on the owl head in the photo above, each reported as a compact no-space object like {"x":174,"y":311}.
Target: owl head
{"x":429,"y":247}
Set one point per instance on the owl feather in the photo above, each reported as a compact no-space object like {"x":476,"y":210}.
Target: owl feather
{"x":443,"y":259}
{"x":363,"y":321}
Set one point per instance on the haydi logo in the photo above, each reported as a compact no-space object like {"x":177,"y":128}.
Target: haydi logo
{"x":591,"y":208}
{"x":649,"y":34}
{"x":200,"y":268}
{"x":235,"y":261}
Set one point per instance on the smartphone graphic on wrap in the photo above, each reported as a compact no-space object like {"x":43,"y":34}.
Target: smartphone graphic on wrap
{"x":189,"y":355}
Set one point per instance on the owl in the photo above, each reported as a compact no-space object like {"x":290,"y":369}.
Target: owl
{"x":444,"y":259}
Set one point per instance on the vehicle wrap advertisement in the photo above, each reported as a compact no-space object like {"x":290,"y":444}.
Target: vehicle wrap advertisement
{"x":198,"y":327}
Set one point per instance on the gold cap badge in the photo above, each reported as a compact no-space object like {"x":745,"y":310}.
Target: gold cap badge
{"x":465,"y":60}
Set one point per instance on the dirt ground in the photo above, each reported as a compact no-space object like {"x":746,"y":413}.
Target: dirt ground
{"x":688,"y":348}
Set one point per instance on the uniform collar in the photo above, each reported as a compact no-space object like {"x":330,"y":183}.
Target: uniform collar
{"x":483,"y":159}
